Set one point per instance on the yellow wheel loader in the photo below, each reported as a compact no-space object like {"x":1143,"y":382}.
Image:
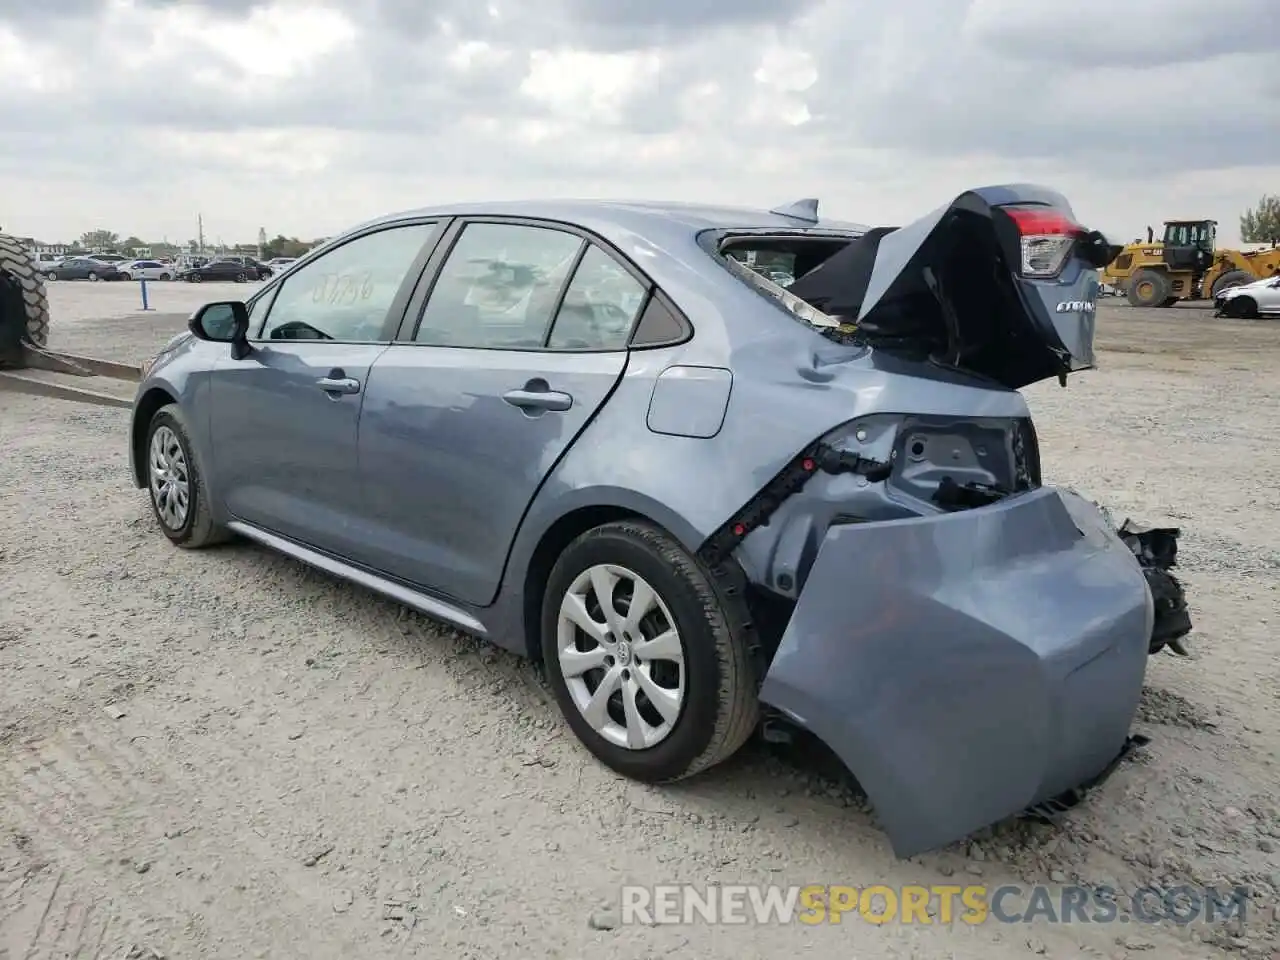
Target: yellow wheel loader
{"x":26,"y":363}
{"x":1184,"y":265}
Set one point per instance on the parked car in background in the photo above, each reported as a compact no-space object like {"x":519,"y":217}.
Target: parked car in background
{"x":256,"y":267}
{"x":145,"y":270}
{"x":225,"y":270}
{"x":43,"y":261}
{"x":108,"y":258}
{"x":278,"y":264}
{"x":82,"y":268}
{"x":1249,"y":301}
{"x":587,"y":432}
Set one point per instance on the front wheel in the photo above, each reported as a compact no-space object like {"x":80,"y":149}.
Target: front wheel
{"x":93,"y":276}
{"x":1232,"y":278}
{"x":179,"y":497}
{"x":647,"y":654}
{"x":1148,"y":288}
{"x":242,"y":277}
{"x":51,"y":276}
{"x":1241,"y":308}
{"x":196,"y":278}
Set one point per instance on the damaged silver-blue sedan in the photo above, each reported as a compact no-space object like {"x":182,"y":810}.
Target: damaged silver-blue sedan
{"x":711,"y":467}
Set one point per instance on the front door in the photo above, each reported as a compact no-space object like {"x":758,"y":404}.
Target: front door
{"x":522,"y":339}
{"x":285,"y":418}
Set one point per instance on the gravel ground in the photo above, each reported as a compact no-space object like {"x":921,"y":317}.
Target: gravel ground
{"x":225,"y":754}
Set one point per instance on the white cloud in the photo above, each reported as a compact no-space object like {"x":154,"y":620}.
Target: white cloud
{"x":305,"y":118}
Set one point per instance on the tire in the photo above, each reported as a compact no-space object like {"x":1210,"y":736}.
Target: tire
{"x":1241,"y":308}
{"x":719,"y":677}
{"x":1169,"y":301}
{"x":242,"y":278}
{"x":126,"y":276}
{"x":196,"y":278}
{"x":93,"y":276}
{"x":1232,"y":278}
{"x":169,"y":442}
{"x":24,"y":304}
{"x":165,"y":276}
{"x":1148,"y":288}
{"x":51,"y":276}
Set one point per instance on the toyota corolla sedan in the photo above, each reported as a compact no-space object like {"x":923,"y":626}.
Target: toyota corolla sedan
{"x":593,"y":434}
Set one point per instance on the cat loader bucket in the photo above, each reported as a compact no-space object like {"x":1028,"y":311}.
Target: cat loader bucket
{"x":26,"y":363}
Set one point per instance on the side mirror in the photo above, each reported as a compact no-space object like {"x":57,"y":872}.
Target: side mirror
{"x":223,"y":322}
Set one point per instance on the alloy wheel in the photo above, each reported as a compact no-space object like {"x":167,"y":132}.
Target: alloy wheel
{"x":170,"y":478}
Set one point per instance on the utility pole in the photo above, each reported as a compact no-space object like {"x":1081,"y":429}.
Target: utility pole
{"x":200,"y":232}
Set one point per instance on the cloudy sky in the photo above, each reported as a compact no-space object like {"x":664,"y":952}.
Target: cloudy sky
{"x":305,"y":117}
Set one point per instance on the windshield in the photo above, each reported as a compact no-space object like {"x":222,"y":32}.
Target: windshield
{"x":1198,"y":234}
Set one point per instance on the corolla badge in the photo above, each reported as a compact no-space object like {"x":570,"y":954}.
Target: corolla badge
{"x":1077,"y":306}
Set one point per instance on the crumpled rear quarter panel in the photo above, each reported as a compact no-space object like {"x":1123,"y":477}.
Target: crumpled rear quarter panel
{"x":967,"y":665}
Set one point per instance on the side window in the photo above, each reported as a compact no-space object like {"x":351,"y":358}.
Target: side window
{"x":258,"y":312}
{"x":499,"y":287}
{"x":599,"y":307}
{"x":345,"y":294}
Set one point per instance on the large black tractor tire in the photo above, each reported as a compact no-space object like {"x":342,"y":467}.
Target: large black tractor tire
{"x":1148,"y":288}
{"x":1232,"y":278}
{"x":24,"y":306}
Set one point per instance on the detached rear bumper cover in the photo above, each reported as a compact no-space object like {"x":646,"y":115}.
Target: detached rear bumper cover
{"x":968,"y":666}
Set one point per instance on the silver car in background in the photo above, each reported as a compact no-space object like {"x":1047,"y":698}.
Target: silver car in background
{"x":1250,"y":301}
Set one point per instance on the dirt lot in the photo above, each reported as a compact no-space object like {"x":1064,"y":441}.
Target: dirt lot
{"x":224,"y":754}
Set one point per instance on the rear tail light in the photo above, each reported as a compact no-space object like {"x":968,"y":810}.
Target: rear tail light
{"x":1048,"y":238}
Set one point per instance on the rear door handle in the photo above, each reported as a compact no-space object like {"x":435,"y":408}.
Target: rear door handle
{"x":543,"y":399}
{"x":339,"y":384}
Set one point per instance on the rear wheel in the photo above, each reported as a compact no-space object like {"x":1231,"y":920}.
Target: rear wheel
{"x":242,"y":277}
{"x":164,"y":276}
{"x":24,"y":305}
{"x":1232,"y":278}
{"x":51,"y":275}
{"x":196,"y":278}
{"x":1148,"y":288}
{"x":93,"y":276}
{"x":175,"y":484}
{"x":647,"y":654}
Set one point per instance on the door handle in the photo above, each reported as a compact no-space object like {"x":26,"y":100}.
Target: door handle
{"x":339,"y":384}
{"x":543,"y":399}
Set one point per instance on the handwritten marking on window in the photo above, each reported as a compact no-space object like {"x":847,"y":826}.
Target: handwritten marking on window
{"x":343,"y":289}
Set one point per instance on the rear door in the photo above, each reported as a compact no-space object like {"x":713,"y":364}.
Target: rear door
{"x":521,"y":339}
{"x":285,"y":418}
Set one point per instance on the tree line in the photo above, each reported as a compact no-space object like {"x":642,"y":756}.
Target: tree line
{"x":108,"y":241}
{"x":1261,"y":224}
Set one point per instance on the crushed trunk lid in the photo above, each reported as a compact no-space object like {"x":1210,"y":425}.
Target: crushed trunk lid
{"x":1001,"y":282}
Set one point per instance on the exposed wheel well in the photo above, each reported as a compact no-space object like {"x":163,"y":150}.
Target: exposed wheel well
{"x":146,"y":408}
{"x":769,"y":613}
{"x":558,"y":536}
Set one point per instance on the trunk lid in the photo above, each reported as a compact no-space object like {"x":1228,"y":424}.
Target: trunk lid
{"x":1002,"y":282}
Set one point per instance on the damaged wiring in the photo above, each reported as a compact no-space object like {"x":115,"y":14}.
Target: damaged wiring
{"x":820,"y":457}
